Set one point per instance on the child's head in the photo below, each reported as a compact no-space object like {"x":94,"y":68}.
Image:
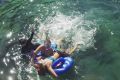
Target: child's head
{"x":47,"y":43}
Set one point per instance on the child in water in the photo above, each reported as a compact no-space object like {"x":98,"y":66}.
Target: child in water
{"x":43,"y":65}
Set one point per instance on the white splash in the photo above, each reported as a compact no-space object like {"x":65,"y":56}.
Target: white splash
{"x":1,"y":72}
{"x":4,"y":60}
{"x":3,"y":22}
{"x":8,"y":54}
{"x":29,"y":69}
{"x":8,"y":60}
{"x":9,"y":34}
{"x":12,"y":71}
{"x":73,"y":27}
{"x":10,"y":78}
{"x":31,"y":0}
{"x":112,"y":33}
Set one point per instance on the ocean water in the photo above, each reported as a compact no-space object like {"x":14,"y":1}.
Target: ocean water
{"x":92,"y":23}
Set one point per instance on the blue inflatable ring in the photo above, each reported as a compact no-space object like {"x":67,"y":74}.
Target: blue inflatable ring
{"x":62,"y":65}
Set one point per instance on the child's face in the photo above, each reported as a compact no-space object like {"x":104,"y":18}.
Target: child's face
{"x":47,"y":44}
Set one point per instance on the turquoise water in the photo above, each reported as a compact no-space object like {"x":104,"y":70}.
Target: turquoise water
{"x":93,"y":23}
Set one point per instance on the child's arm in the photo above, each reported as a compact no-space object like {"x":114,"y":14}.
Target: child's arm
{"x":37,"y":49}
{"x":73,"y":49}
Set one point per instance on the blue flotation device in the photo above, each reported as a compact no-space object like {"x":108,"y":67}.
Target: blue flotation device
{"x":65,"y":64}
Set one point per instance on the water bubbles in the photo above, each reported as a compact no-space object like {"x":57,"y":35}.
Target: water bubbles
{"x":4,"y":61}
{"x":15,"y":53}
{"x":30,"y":12}
{"x":1,"y":72}
{"x":16,"y":58}
{"x":9,"y":34}
{"x":31,"y":0}
{"x":10,"y":41}
{"x":18,"y":63}
{"x":8,"y":54}
{"x":10,"y":78}
{"x":12,"y":71}
{"x":76,"y":69}
{"x":3,"y":22}
{"x":23,"y":7}
{"x":83,"y":76}
{"x":8,"y":60}
{"x":29,"y":69}
{"x":36,"y":19}
{"x":12,"y":49}
{"x":39,"y":10}
{"x":112,"y":33}
{"x":55,"y":7}
{"x":26,"y":13}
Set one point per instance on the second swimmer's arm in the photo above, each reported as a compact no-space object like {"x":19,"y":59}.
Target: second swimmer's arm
{"x":37,"y":49}
{"x":31,"y":36}
{"x":72,"y":50}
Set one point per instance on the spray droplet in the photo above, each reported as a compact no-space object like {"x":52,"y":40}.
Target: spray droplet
{"x":9,"y":35}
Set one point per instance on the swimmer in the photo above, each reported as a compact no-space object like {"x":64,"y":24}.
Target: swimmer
{"x":46,"y":64}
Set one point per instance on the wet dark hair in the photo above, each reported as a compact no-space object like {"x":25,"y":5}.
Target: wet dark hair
{"x":22,"y":41}
{"x":48,"y":41}
{"x":41,"y":73}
